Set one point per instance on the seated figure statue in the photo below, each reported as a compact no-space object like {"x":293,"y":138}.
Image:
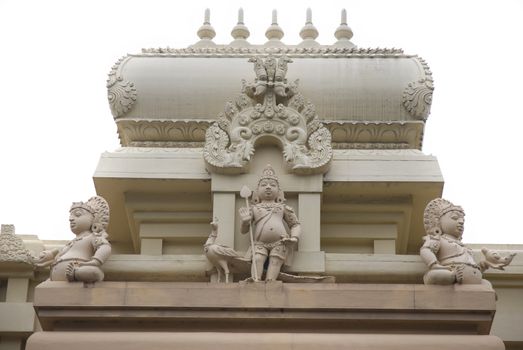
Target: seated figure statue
{"x":81,"y":259}
{"x":448,"y":259}
{"x":276,"y":229}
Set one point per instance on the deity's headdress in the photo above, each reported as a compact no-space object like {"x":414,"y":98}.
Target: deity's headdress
{"x":269,"y":173}
{"x":99,"y":208}
{"x":433,"y":213}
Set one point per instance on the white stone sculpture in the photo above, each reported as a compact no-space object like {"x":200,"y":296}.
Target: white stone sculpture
{"x":276,"y":229}
{"x":219,"y":255}
{"x":448,"y":259}
{"x":272,"y":110}
{"x":81,"y":259}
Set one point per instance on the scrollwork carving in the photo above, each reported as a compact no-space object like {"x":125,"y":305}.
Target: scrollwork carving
{"x":276,"y":112}
{"x":417,"y":98}
{"x":121,"y":93}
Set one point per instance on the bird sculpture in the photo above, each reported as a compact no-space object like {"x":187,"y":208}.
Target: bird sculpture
{"x":219,"y":255}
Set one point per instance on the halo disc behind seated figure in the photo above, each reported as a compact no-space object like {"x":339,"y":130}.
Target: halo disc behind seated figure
{"x":81,"y":258}
{"x":276,"y":229}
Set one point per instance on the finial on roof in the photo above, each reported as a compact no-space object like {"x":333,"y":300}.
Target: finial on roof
{"x":309,"y":32}
{"x":240,"y":32}
{"x":206,"y":32}
{"x":274,"y":33}
{"x":343,"y":33}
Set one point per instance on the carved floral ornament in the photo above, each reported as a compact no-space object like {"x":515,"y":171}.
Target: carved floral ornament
{"x":269,"y":109}
{"x":120,"y":92}
{"x":417,"y":96}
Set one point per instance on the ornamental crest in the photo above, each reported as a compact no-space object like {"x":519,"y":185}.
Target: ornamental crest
{"x":12,"y":249}
{"x":268,"y":110}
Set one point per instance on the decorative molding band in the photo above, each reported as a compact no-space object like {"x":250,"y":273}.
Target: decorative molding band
{"x":345,"y":134}
{"x":159,"y":149}
{"x":167,"y":144}
{"x":162,"y":133}
{"x":290,"y":51}
{"x":417,"y":96}
{"x":369,"y":145}
{"x":121,"y":93}
{"x":376,"y":135}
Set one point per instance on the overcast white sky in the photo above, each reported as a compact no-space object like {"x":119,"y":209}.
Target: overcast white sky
{"x":55,"y":120}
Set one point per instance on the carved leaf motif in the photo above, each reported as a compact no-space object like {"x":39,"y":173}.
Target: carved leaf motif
{"x":121,"y":96}
{"x":297,"y":102}
{"x":320,"y":146}
{"x":417,"y":98}
{"x":216,"y":141}
{"x":289,"y":153}
{"x":120,"y":92}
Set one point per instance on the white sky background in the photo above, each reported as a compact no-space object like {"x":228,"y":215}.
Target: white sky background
{"x":55,"y":119}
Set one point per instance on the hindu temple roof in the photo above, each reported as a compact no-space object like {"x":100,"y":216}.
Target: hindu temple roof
{"x":345,"y":83}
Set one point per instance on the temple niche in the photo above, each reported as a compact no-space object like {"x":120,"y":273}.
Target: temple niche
{"x":265,"y":196}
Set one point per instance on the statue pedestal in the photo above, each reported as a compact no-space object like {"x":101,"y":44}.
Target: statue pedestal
{"x":300,"y":310}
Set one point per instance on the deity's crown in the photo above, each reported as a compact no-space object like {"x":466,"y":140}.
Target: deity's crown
{"x":435,"y":210}
{"x":98,"y":207}
{"x":268,"y":173}
{"x":82,"y":205}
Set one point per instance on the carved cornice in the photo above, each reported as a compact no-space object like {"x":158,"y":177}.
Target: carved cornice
{"x":268,"y":110}
{"x":153,"y":149}
{"x":417,"y":96}
{"x":323,"y":51}
{"x":12,"y":249}
{"x":121,"y":93}
{"x":345,"y":134}
{"x":162,"y":133}
{"x":376,"y":135}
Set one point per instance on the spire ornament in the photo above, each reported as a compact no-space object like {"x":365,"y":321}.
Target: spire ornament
{"x":206,"y":32}
{"x":343,"y":33}
{"x":309,"y":32}
{"x":270,"y":108}
{"x":274,"y":33}
{"x":240,"y":32}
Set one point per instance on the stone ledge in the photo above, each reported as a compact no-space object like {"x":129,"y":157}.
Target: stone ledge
{"x":256,"y":341}
{"x":270,"y":306}
{"x":347,"y":268}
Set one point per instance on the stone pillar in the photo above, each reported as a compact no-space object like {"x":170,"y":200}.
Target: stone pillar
{"x":151,"y":246}
{"x":17,"y":289}
{"x":310,"y":219}
{"x":224,"y":209}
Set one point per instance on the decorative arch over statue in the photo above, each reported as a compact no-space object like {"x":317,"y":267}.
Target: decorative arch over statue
{"x":271,"y":109}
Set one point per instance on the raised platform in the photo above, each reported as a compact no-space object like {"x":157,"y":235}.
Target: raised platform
{"x":265,"y":307}
{"x":256,"y":341}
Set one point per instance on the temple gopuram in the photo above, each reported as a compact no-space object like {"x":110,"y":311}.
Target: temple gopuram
{"x":265,"y":196}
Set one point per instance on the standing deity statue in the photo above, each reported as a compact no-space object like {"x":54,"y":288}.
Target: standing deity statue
{"x":275,"y":227}
{"x":81,"y":259}
{"x":448,"y":259}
